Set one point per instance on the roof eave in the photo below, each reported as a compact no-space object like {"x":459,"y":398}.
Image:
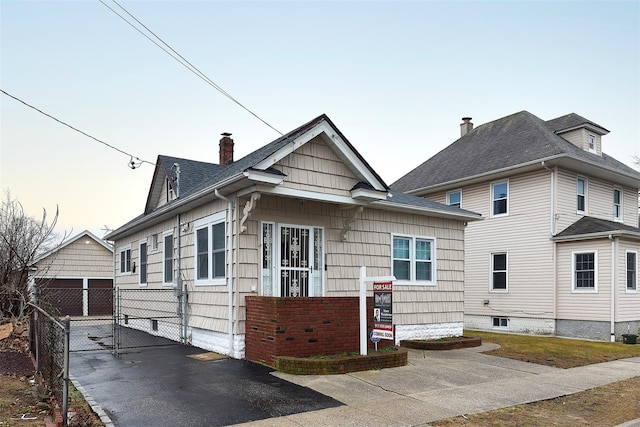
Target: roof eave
{"x":422,"y":210}
{"x":597,"y":235}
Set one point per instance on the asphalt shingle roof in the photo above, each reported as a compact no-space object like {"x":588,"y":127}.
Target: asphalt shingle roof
{"x":514,"y":140}
{"x":591,"y":225}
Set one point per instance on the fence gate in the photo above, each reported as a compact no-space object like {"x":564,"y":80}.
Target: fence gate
{"x":146,"y":318}
{"x":104,"y":318}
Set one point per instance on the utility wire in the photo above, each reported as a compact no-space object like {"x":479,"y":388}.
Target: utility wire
{"x":184,"y":62}
{"x":134,"y":161}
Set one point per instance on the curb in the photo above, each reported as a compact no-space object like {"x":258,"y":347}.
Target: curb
{"x":94,"y":405}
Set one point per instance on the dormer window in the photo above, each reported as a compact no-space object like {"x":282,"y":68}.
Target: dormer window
{"x":591,"y":143}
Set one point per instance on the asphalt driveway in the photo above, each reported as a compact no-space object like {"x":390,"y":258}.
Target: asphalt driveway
{"x":164,"y":387}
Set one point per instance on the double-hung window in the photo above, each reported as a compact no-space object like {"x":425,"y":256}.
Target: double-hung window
{"x":585,"y":271}
{"x":499,"y":271}
{"x":454,"y":198}
{"x":500,"y":198}
{"x":167,"y":258}
{"x":591,"y":142}
{"x":581,"y":190}
{"x":143,"y":262}
{"x":125,"y":259}
{"x":632,"y":271}
{"x":617,"y":204}
{"x":210,"y":238}
{"x":413,"y":259}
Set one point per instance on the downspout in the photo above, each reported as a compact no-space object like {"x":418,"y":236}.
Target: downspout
{"x":230,"y":264}
{"x":552,"y":231}
{"x":177,"y":290}
{"x":613,"y":288}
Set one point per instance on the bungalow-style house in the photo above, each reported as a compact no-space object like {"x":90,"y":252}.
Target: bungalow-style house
{"x":291,"y":222}
{"x":76,"y":277}
{"x":557,"y":252}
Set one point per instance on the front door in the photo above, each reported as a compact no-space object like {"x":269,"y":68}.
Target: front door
{"x":293,"y":260}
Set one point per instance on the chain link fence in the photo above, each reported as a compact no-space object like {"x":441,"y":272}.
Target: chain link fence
{"x":50,"y":347}
{"x":147,"y":318}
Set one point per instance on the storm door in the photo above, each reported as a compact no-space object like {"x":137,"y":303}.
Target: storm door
{"x":292,"y":261}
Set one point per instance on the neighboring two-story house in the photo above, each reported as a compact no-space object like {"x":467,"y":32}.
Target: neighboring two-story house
{"x":296,"y":218}
{"x":557,"y":252}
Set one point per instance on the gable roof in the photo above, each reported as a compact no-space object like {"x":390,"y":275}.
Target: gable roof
{"x":208,"y":181}
{"x":589,"y":228}
{"x":573,"y":121}
{"x":63,"y":244}
{"x":509,"y":143}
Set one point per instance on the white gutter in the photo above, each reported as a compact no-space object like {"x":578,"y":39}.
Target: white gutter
{"x":598,"y":235}
{"x":613,"y":288}
{"x":230,"y":264}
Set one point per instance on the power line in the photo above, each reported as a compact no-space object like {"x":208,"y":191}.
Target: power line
{"x":134,"y":161}
{"x":184,"y":62}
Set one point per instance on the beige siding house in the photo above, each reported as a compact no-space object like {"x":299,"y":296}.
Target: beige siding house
{"x":557,"y":251}
{"x":297,"y":218}
{"x":78,"y":275}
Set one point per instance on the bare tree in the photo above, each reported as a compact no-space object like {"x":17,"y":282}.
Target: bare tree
{"x":22,"y":239}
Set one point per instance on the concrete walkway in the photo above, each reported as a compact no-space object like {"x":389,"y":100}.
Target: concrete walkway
{"x":437,"y":385}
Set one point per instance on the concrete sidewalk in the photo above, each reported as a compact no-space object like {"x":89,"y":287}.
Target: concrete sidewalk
{"x":437,"y":385}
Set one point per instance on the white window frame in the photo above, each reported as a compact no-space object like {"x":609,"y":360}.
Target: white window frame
{"x":208,"y":222}
{"x":628,"y":290}
{"x":126,"y":249}
{"x":592,"y":148}
{"x":584,"y":195}
{"x":500,"y":319}
{"x":492,"y":270}
{"x":412,"y":260}
{"x":618,"y":206}
{"x":492,"y":187}
{"x":574,"y":289}
{"x":450,"y":193}
{"x":165,"y":235}
{"x":141,"y":263}
{"x":154,"y":242}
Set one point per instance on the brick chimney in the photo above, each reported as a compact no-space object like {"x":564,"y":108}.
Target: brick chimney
{"x":466,"y":126}
{"x":226,"y":149}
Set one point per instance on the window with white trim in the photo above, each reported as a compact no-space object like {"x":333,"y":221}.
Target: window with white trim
{"x":167,"y":257}
{"x":454,"y":198}
{"x":499,"y":271}
{"x":632,"y":271}
{"x":585,"y":271}
{"x":142,"y":251}
{"x":499,"y":322}
{"x":591,"y":142}
{"x":125,"y":259}
{"x":500,"y":198}
{"x":581,"y":192}
{"x":413,"y":259}
{"x":617,"y":204}
{"x":154,"y":242}
{"x":210,"y":250}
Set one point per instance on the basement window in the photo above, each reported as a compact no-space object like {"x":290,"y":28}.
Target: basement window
{"x":500,"y":322}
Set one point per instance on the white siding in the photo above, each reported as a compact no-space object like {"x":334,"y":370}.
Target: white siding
{"x":628,"y":302}
{"x":583,"y":305}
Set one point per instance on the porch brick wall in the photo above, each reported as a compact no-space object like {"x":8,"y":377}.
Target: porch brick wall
{"x":303,"y":327}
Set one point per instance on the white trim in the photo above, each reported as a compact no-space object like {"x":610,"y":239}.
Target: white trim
{"x":585,"y":195}
{"x":492,"y":200}
{"x":492,"y":270}
{"x":593,"y":150}
{"x":264,"y":177}
{"x":593,"y":290}
{"x":448,"y":197}
{"x":500,"y":327}
{"x":412,"y":260}
{"x":207,"y":222}
{"x":619,"y":218}
{"x":626,"y":270}
{"x":122,"y":249}
{"x":165,"y":234}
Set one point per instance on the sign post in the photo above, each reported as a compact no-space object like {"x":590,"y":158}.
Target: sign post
{"x":363,"y":305}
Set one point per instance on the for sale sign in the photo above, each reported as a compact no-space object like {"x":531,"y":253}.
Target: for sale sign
{"x":383,"y":310}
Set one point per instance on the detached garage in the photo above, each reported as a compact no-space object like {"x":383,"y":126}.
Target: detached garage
{"x":76,"y":278}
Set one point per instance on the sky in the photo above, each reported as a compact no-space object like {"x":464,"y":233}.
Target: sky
{"x":395,"y":78}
